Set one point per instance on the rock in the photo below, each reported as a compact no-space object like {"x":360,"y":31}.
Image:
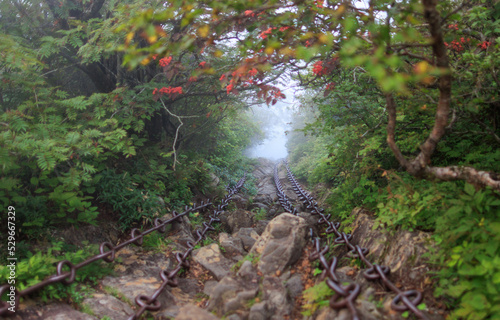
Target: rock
{"x":232,"y":294}
{"x":225,"y":290}
{"x":276,"y":297}
{"x":259,"y":206}
{"x":328,"y":313}
{"x":281,"y":243}
{"x":211,"y":258}
{"x":192,"y":312}
{"x":213,"y":180}
{"x":209,"y":287}
{"x":259,"y":311}
{"x":235,"y":220}
{"x":232,"y":246}
{"x":131,"y":286}
{"x":56,"y":311}
{"x":402,"y":256}
{"x":103,"y":305}
{"x":248,"y":237}
{"x":260,"y":226}
{"x":247,"y":270}
{"x":294,"y":286}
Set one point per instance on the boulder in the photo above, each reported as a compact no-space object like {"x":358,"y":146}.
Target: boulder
{"x":235,"y":220}
{"x":281,"y":243}
{"x":105,"y":305}
{"x":192,"y":312}
{"x":248,"y":237}
{"x":211,"y":258}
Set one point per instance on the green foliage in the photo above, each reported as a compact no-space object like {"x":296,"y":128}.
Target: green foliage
{"x":316,"y":297}
{"x":156,"y":242}
{"x":135,"y":205}
{"x":37,"y":267}
{"x":468,"y":234}
{"x":260,"y":214}
{"x":412,"y":204}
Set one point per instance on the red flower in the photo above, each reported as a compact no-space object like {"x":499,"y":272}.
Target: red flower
{"x":484,"y":45}
{"x":252,"y":72}
{"x":202,"y":64}
{"x":155,"y":56}
{"x":171,"y":91}
{"x":330,"y":86}
{"x":284,"y":28}
{"x":229,"y":88}
{"x":249,"y":13}
{"x":155,"y":91}
{"x":193,"y":79}
{"x":318,"y":68}
{"x":264,"y":34}
{"x":222,"y":77}
{"x":165,"y":61}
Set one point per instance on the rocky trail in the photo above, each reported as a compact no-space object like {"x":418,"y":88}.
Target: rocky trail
{"x":256,"y":267}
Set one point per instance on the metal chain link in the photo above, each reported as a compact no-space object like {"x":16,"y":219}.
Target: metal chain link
{"x":169,"y":277}
{"x":345,"y":295}
{"x":282,"y":198}
{"x":404,"y":300}
{"x":107,"y":252}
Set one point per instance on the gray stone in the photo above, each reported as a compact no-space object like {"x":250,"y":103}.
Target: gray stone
{"x":403,"y":255}
{"x":232,"y":246}
{"x":56,"y":311}
{"x":192,"y":312}
{"x":281,"y":243}
{"x":276,"y":297}
{"x":132,"y":286}
{"x":294,"y":286}
{"x":106,"y":305}
{"x":248,"y":237}
{"x":234,"y":220}
{"x":209,"y":287}
{"x":211,"y":258}
{"x":259,"y":311}
{"x":260,"y":226}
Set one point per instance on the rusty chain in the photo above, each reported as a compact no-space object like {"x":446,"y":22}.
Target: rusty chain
{"x":282,"y":198}
{"x":169,"y":277}
{"x":345,"y":295}
{"x":107,"y":252}
{"x":404,"y":300}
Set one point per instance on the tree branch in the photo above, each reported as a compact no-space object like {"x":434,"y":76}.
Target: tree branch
{"x":176,"y":133}
{"x":469,"y":174}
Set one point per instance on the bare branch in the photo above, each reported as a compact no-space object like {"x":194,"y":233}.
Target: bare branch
{"x":176,"y":133}
{"x":469,"y":174}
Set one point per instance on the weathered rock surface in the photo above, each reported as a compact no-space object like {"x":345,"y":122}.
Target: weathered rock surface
{"x":235,"y":220}
{"x":55,"y":311}
{"x":401,"y":252}
{"x":281,"y":243}
{"x":211,"y":258}
{"x":105,"y":305}
{"x":192,"y":312}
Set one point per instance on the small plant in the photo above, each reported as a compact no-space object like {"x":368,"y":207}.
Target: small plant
{"x":156,"y":242}
{"x":260,"y":214}
{"x":315,"y":297}
{"x":118,"y":295}
{"x":39,"y":266}
{"x":253,"y":258}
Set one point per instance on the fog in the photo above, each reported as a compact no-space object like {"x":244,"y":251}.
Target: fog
{"x":274,"y":122}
